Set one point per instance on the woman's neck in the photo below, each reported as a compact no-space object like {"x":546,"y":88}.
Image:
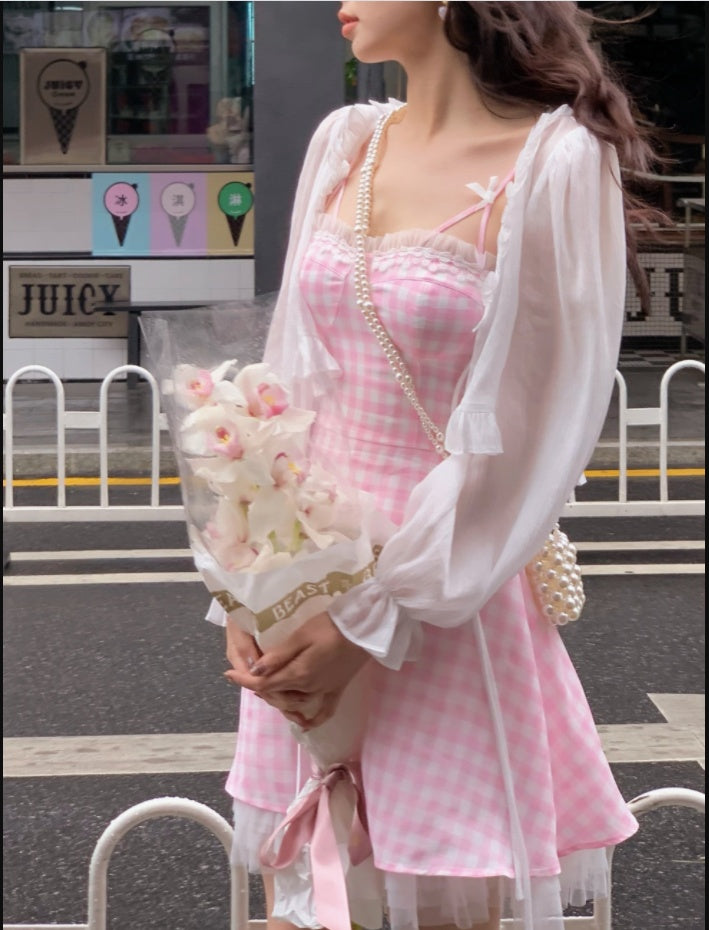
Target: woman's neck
{"x":442,"y":97}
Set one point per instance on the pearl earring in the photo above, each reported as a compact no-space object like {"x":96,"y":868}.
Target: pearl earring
{"x":442,"y":11}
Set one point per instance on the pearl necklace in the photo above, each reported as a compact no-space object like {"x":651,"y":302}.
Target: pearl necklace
{"x":554,"y":575}
{"x":363,"y":291}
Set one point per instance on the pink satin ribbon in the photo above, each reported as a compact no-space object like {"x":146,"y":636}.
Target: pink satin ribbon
{"x":309,"y":821}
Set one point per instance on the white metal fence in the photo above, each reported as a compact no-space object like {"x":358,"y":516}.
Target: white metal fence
{"x":239,"y":897}
{"x":59,"y":510}
{"x":97,"y":421}
{"x":629,"y":417}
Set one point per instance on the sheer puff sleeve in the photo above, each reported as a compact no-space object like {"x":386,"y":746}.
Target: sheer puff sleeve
{"x":477,"y":518}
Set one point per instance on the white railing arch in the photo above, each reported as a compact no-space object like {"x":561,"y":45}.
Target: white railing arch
{"x":9,"y":431}
{"x":93,"y":420}
{"x":664,"y":416}
{"x":601,"y":919}
{"x":646,"y":416}
{"x":629,"y":417}
{"x":182,"y":808}
{"x":154,"y":432}
{"x":150,"y":810}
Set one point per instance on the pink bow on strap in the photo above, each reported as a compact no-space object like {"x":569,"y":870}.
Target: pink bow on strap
{"x":309,"y":821}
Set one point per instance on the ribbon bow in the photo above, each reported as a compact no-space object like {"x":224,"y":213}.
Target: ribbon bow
{"x":487,"y":196}
{"x":309,"y":822}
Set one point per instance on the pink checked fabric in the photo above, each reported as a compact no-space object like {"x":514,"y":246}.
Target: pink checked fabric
{"x":433,"y":776}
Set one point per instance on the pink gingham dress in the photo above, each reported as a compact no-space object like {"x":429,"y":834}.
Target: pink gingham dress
{"x":437,"y":789}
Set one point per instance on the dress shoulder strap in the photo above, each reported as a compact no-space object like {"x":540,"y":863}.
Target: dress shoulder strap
{"x":488,"y":196}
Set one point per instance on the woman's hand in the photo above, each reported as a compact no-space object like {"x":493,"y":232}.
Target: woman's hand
{"x":242,"y":652}
{"x":315,"y":663}
{"x":241,"y":649}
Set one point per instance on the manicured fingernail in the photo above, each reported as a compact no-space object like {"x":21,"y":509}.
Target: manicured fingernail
{"x":250,"y":661}
{"x":258,"y":670}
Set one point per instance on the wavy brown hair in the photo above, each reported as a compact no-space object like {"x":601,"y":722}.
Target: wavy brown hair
{"x":541,"y":53}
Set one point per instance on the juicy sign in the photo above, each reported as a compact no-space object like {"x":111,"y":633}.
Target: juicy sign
{"x":48,"y":301}
{"x":65,"y":299}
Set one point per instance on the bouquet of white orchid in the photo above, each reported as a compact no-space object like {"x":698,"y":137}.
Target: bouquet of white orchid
{"x":275,"y":536}
{"x":281,"y":537}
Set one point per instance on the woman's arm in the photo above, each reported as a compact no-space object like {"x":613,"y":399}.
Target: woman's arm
{"x":476,"y":520}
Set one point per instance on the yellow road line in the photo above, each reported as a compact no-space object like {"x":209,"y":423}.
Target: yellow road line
{"x":92,"y":482}
{"x":86,"y":482}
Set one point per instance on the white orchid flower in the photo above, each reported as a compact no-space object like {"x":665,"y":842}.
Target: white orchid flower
{"x":322,"y":508}
{"x":224,"y":430}
{"x":289,"y":469}
{"x":268,"y":399}
{"x":273,"y":519}
{"x":238,"y":481}
{"x":227,"y":536}
{"x":194,"y":386}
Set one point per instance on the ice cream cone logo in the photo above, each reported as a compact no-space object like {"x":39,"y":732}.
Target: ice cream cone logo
{"x":178,"y":200}
{"x":121,"y":200}
{"x":235,"y":200}
{"x":63,"y":85}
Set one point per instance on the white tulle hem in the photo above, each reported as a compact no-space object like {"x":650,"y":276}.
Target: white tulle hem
{"x":414,"y":901}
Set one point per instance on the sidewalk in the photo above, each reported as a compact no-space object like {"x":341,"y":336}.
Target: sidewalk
{"x":129,"y":413}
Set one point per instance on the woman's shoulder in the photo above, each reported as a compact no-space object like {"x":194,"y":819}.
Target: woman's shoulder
{"x":563,"y":140}
{"x":354,"y":122}
{"x":561,"y":127}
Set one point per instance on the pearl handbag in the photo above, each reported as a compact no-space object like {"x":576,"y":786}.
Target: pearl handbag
{"x":554,"y":575}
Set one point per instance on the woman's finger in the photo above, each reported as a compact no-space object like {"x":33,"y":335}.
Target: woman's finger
{"x":241,"y":647}
{"x":235,"y":676}
{"x":276,"y":659}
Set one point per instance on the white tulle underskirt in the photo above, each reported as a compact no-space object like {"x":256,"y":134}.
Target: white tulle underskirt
{"x":415,"y":901}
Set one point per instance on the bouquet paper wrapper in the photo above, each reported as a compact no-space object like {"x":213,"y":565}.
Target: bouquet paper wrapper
{"x":276,"y":535}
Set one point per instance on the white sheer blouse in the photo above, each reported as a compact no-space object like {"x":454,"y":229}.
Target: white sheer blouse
{"x":536,"y":391}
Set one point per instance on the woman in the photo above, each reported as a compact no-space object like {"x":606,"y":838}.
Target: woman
{"x":496,"y":261}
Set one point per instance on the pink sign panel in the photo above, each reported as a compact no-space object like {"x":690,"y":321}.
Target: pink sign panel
{"x":178,"y":214}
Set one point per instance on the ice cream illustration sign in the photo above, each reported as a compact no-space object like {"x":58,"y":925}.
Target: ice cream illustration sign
{"x":177,"y":200}
{"x":121,"y":200}
{"x":63,"y":86}
{"x":235,"y":199}
{"x":164,"y":213}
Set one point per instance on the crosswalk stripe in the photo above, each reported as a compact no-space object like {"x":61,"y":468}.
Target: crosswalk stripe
{"x":50,"y":756}
{"x":640,"y":545}
{"x":652,"y":568}
{"x":85,"y":555}
{"x":29,"y":581}
{"x":53,"y":756}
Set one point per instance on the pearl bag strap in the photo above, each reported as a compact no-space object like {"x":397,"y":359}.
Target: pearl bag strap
{"x":363,"y":290}
{"x":554,"y":575}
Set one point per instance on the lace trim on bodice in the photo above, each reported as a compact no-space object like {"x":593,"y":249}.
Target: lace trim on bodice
{"x":428,"y":244}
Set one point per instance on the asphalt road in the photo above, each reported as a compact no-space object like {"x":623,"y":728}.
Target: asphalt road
{"x":94,"y":664}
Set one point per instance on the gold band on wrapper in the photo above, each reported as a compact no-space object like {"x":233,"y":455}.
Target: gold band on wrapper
{"x":332,"y":584}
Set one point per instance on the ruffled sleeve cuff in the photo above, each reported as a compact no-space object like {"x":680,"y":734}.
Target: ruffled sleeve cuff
{"x":473,"y":430}
{"x":370,"y":617}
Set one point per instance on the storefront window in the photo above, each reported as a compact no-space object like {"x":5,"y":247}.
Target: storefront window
{"x":179,"y":77}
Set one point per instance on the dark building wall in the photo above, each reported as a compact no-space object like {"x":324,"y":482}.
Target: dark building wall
{"x":298,"y":78}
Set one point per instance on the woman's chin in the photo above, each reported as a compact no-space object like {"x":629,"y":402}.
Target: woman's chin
{"x":367,"y":56}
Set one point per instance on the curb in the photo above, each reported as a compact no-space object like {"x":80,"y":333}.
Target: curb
{"x":684,"y":454}
{"x":81,"y":463}
{"x":136,"y":462}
